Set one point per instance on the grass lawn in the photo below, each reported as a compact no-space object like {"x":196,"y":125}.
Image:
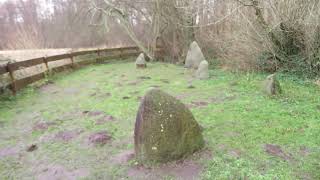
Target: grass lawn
{"x":248,"y":135}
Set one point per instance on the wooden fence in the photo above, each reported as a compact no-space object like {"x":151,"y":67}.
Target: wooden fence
{"x":17,"y":84}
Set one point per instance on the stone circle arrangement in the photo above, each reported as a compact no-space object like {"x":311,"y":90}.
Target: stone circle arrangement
{"x":165,"y":129}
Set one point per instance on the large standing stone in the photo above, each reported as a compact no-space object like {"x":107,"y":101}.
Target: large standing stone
{"x":141,"y":61}
{"x":272,"y":85}
{"x":203,"y":70}
{"x":194,"y":56}
{"x":165,"y":129}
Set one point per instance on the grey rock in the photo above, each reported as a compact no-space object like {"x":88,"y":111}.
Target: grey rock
{"x":194,"y":56}
{"x":271,"y":85}
{"x":141,"y":61}
{"x":203,"y":70}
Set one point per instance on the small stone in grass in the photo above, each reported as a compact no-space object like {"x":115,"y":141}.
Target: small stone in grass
{"x":141,"y":62}
{"x":190,"y":86}
{"x":126,"y":97}
{"x":272,"y":86}
{"x":32,"y":148}
{"x":144,"y":77}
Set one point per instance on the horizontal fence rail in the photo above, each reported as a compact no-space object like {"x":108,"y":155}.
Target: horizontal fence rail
{"x":102,"y":54}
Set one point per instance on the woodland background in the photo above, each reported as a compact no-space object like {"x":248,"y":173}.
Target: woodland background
{"x":263,"y":35}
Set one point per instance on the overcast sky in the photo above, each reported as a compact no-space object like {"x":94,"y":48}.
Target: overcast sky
{"x":5,"y":0}
{"x":45,"y":6}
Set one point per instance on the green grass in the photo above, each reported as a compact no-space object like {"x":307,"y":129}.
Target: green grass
{"x":241,"y":119}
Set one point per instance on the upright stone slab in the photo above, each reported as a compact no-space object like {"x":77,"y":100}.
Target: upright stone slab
{"x":141,"y":61}
{"x":203,"y":70}
{"x":165,"y":129}
{"x":272,"y":86}
{"x":194,"y":56}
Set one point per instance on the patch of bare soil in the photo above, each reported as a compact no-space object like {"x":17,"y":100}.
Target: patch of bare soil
{"x":200,"y":104}
{"x":50,"y":88}
{"x":304,"y":151}
{"x":276,"y":151}
{"x":42,"y":126}
{"x":134,"y":92}
{"x":123,"y":157}
{"x":32,"y":148}
{"x":58,"y":172}
{"x":99,"y":138}
{"x":105,"y":119}
{"x":134,"y":83}
{"x":188,"y":169}
{"x":144,"y":77}
{"x":232,"y":84}
{"x":100,"y":95}
{"x":221,"y":99}
{"x":93,"y":113}
{"x":155,"y":86}
{"x":166,"y":81}
{"x":119,"y":84}
{"x":183,"y":96}
{"x":235,"y":153}
{"x":203,"y":104}
{"x":71,"y":90}
{"x":67,"y":136}
{"x":70,"y":115}
{"x":190,"y":86}
{"x":125,"y":97}
{"x":11,"y":151}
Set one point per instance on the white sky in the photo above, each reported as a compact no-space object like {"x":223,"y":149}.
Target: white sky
{"x":1,"y":1}
{"x":46,"y":6}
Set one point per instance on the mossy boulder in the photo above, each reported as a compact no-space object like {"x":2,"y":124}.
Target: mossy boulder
{"x":165,"y":129}
{"x":271,"y":85}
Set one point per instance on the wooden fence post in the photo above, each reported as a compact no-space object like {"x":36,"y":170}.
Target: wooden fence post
{"x":72,"y":60}
{"x":98,"y":52}
{"x":13,"y":80}
{"x":121,"y":54}
{"x":17,"y":84}
{"x":98,"y":59}
{"x":46,"y":63}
